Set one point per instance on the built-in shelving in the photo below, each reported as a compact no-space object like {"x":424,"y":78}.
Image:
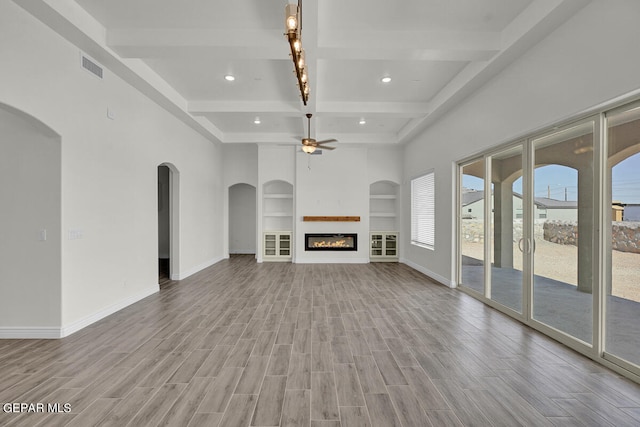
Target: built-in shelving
{"x":383,"y":206}
{"x":277,"y":206}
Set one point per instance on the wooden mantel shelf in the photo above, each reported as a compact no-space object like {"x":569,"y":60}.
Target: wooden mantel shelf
{"x":332,"y":218}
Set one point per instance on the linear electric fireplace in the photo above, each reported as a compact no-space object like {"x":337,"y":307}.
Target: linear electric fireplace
{"x":330,"y":242}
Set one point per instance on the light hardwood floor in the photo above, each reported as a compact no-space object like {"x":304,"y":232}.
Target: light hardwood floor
{"x":246,"y":344}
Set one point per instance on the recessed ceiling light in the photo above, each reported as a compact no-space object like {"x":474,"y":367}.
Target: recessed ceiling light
{"x":229,"y":78}
{"x":385,"y":79}
{"x":362,"y":122}
{"x":257,"y":120}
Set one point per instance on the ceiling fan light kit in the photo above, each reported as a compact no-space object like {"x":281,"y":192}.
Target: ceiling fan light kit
{"x":309,"y":145}
{"x":293,"y":27}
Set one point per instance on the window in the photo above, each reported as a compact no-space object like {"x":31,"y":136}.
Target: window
{"x":423,"y":210}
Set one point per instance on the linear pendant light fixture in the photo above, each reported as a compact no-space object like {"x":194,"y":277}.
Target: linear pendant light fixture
{"x":293,"y":26}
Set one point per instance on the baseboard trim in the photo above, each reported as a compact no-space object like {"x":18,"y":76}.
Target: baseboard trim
{"x":107,"y":311}
{"x":27,"y":332}
{"x":194,"y":270}
{"x":46,"y":332}
{"x":333,"y":261}
{"x":434,"y":276}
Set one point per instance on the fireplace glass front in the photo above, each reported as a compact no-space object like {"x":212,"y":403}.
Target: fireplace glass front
{"x":331,"y":242}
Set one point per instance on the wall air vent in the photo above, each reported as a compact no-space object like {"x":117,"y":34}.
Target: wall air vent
{"x":318,"y":152}
{"x":90,"y":65}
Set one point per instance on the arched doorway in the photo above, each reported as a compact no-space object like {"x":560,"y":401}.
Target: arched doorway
{"x":168,"y":231}
{"x":242,"y":219}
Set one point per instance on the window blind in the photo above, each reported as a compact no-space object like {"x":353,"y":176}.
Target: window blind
{"x":423,"y":210}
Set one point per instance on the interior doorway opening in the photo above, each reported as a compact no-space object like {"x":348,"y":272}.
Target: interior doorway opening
{"x":167,"y":224}
{"x":242,"y":219}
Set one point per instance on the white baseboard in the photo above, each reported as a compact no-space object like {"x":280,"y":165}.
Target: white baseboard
{"x":28,"y":332}
{"x":333,"y":261}
{"x":438,"y":278}
{"x":92,"y":318}
{"x":194,"y":270}
{"x":47,"y":332}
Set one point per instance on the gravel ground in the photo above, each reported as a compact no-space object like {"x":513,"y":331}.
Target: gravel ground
{"x":560,"y":262}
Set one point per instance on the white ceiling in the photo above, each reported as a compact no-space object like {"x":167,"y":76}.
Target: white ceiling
{"x":436,"y":51}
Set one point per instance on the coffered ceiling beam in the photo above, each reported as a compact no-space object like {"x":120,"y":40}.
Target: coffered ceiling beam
{"x":361,"y":138}
{"x":409,"y":45}
{"x":260,"y":138}
{"x":387,"y":109}
{"x":73,"y":23}
{"x":310,"y":45}
{"x":533,"y":24}
{"x":288,"y":139}
{"x":404,"y":54}
{"x":164,"y":43}
{"x":205,"y":107}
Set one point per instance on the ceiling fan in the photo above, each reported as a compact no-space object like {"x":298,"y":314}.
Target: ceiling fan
{"x":309,"y":145}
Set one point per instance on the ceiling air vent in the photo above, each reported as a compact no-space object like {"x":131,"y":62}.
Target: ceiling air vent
{"x":90,"y":65}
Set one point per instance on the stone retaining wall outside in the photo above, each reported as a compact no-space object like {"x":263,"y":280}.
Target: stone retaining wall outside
{"x":472,"y":230}
{"x":625,"y":235}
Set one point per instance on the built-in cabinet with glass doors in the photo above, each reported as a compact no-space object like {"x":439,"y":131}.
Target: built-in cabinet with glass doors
{"x":384,"y":246}
{"x":549,"y":232}
{"x":277,"y":246}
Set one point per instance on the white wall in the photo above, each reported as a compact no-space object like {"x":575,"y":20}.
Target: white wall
{"x":587,"y":61}
{"x":333,"y":184}
{"x":385,"y":164}
{"x":242,"y":219}
{"x":29,"y":223}
{"x":109,"y":171}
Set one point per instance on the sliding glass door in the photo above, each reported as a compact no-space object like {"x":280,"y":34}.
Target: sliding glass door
{"x":472,"y":233}
{"x":549,"y":232}
{"x":564,"y":228}
{"x":622,"y":235}
{"x":507,"y":242}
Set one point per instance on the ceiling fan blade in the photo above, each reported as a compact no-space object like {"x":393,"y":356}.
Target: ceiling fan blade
{"x":324,"y":141}
{"x":326,"y":147}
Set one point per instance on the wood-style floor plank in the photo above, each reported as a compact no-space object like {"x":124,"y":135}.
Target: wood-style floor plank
{"x":242,"y":344}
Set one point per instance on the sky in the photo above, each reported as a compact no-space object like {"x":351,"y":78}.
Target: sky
{"x":555,"y":180}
